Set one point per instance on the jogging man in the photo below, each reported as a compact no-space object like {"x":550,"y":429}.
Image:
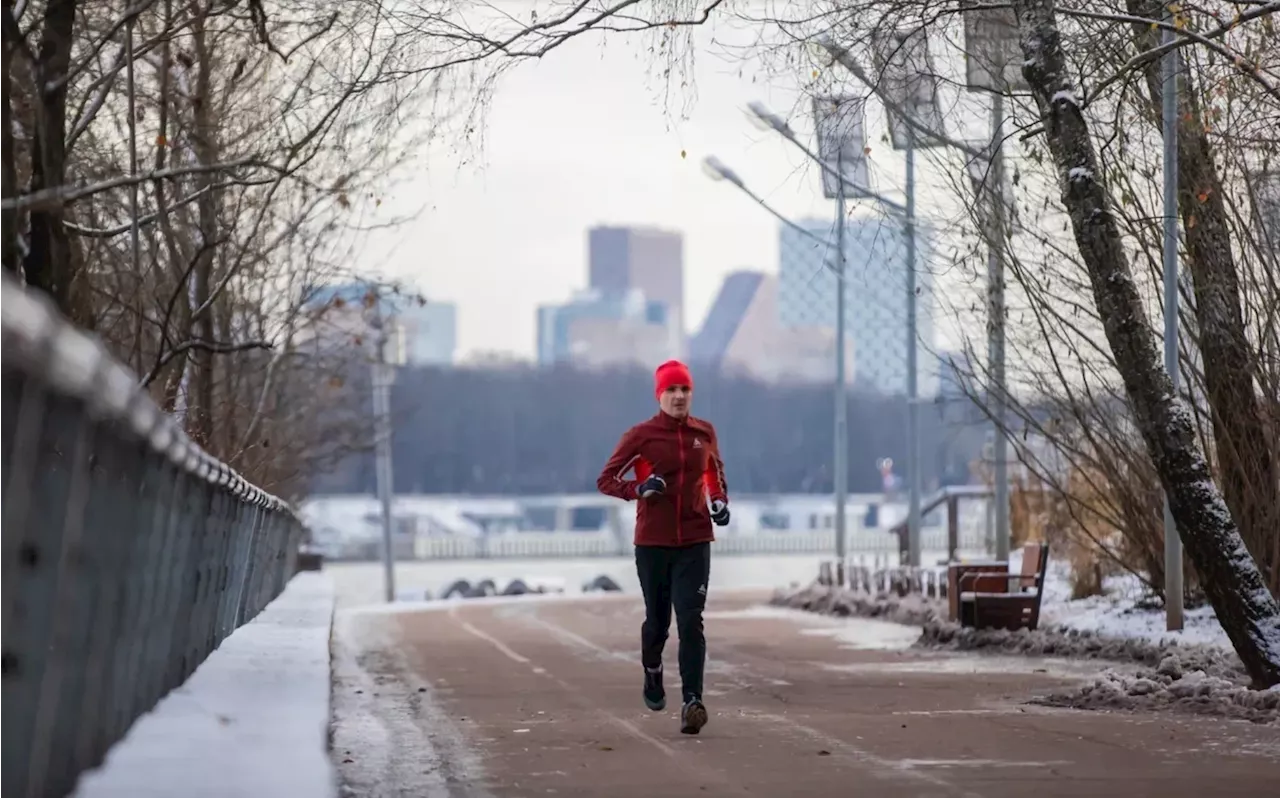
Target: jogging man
{"x":680,"y":490}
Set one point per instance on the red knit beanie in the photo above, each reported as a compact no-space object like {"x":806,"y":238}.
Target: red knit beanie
{"x":673,"y":372}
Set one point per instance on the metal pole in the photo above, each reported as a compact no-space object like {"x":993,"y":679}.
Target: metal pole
{"x":382,"y":419}
{"x":913,"y":399}
{"x":1172,"y":543}
{"x":840,"y":465}
{"x":134,"y":243}
{"x":996,"y":389}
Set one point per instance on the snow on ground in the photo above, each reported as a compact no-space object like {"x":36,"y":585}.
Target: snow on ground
{"x":1120,"y":612}
{"x":389,"y":731}
{"x":251,"y":721}
{"x":851,"y":633}
{"x":1116,"y":615}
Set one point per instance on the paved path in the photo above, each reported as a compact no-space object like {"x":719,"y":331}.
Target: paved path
{"x":543,"y":698}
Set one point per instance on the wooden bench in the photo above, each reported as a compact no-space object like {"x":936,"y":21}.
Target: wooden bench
{"x":1016,"y":608}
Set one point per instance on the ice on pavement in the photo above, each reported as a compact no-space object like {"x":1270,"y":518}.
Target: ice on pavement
{"x":252,"y":721}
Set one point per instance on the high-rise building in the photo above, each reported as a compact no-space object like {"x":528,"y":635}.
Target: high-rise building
{"x":709,"y":345}
{"x":742,"y":334}
{"x":875,"y":296}
{"x":431,"y":333}
{"x":430,"y":328}
{"x":594,"y":329}
{"x":621,"y":259}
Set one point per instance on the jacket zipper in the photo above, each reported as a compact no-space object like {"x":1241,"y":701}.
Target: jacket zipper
{"x":680,"y":491}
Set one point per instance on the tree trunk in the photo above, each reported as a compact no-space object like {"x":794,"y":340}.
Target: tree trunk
{"x":1245,"y":451}
{"x":48,"y":263}
{"x":1246,"y":609}
{"x":12,"y":256}
{"x":172,"y":331}
{"x":206,"y":152}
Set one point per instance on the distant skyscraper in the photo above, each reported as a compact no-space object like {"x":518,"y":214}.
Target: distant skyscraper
{"x":641,"y":258}
{"x":431,"y":333}
{"x":594,"y":329}
{"x":876,"y":302}
{"x":430,"y":328}
{"x":742,"y":334}
{"x":709,"y":345}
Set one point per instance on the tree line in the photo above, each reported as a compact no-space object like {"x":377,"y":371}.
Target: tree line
{"x":523,"y":430}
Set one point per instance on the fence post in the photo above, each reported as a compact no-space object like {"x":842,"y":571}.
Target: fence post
{"x":953,"y":528}
{"x":57,"y":609}
{"x":30,"y":574}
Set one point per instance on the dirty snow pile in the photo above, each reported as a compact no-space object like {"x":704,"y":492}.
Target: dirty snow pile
{"x":1080,"y":644}
{"x":911,"y":610}
{"x":1171,"y":685}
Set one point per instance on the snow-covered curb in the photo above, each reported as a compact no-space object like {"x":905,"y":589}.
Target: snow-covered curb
{"x":910,"y":610}
{"x":1078,"y":644}
{"x":251,"y":721}
{"x":1203,"y":678}
{"x":1048,"y":640}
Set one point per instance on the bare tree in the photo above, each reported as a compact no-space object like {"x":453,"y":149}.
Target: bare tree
{"x":254,"y":159}
{"x":1246,"y":609}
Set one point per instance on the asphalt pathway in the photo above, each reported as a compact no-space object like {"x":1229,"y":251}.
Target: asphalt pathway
{"x":542,"y":697}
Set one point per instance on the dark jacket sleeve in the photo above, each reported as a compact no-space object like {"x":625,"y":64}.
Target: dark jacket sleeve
{"x":612,"y":480}
{"x":713,"y":477}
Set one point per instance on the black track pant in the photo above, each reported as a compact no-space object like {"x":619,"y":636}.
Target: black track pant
{"x":675,"y":577}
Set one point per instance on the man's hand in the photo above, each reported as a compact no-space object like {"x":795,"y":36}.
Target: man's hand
{"x":653,"y":486}
{"x":720,"y":512}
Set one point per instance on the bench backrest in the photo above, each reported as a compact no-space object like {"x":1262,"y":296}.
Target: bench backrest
{"x":1031,"y":561}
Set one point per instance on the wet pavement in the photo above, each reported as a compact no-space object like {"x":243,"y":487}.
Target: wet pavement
{"x":542,"y":697}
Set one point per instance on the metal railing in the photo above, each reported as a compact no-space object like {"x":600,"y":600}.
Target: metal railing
{"x":553,"y":545}
{"x":129,"y":553}
{"x":956,"y":539}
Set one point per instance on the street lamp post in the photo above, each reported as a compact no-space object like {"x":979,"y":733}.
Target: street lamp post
{"x":913,"y":365}
{"x":904,"y":63}
{"x":841,"y":141}
{"x":991,"y":40}
{"x":993,"y":65}
{"x":840,"y":457}
{"x":389,"y":342}
{"x":718,"y":171}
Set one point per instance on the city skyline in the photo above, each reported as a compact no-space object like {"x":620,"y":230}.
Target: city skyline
{"x":773,"y":326}
{"x":500,"y":220}
{"x":866,"y":251}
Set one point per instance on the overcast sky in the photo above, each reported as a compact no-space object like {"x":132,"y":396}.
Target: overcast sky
{"x":585,"y":137}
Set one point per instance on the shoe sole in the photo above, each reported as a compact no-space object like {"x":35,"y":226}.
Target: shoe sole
{"x":694,"y":720}
{"x":656,"y":706}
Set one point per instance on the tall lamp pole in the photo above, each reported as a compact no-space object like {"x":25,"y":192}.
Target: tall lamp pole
{"x":841,"y":156}
{"x":993,"y":59}
{"x":390,"y":354}
{"x":912,"y":90}
{"x":840,"y":457}
{"x":991,"y":38}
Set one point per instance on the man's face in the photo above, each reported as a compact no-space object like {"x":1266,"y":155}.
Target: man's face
{"x":675,"y":400}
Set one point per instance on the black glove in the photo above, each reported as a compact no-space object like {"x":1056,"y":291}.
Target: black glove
{"x":653,"y":486}
{"x":720,"y":512}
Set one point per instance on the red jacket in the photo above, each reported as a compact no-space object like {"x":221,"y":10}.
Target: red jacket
{"x":686,"y":455}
